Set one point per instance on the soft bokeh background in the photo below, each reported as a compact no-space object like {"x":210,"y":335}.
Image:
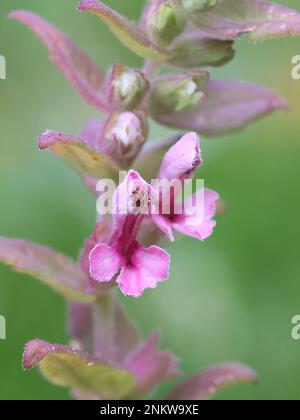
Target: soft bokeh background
{"x":231,"y":298}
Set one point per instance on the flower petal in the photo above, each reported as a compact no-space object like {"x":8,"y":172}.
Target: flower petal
{"x":262,"y":19}
{"x":78,"y":68}
{"x":227,"y":106}
{"x":201,"y":231}
{"x":182,"y":160}
{"x":52,"y":268}
{"x":148,"y":266}
{"x":204,"y":385}
{"x":211,"y":199}
{"x":151,"y":366}
{"x":127,"y":32}
{"x":165,"y":225}
{"x":79,"y":154}
{"x":67,"y":367}
{"x":151,"y":156}
{"x":101,"y":234}
{"x":199,"y":210}
{"x":154,"y":260}
{"x":132,"y":201}
{"x":105,"y":263}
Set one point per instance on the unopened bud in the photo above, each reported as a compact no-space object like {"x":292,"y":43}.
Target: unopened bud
{"x":127,"y":87}
{"x":166,"y":20}
{"x":194,"y":50}
{"x":177,"y":92}
{"x":194,"y":5}
{"x":125,"y":135}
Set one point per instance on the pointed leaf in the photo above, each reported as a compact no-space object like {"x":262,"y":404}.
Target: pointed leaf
{"x":204,"y":385}
{"x":81,"y":372}
{"x":262,"y":19}
{"x":182,"y":160}
{"x":127,"y":32}
{"x":77,"y":67}
{"x":227,"y":106}
{"x":79,"y":154}
{"x":52,"y":268}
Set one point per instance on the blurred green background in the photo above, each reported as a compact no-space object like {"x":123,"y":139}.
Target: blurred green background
{"x":229,"y":299}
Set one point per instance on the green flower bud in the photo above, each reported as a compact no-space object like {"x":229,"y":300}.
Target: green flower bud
{"x":166,"y":20}
{"x":127,"y":87}
{"x":177,"y":93}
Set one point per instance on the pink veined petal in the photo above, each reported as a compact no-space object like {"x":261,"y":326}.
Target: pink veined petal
{"x":182,"y":160}
{"x":227,"y":106}
{"x":151,"y":366}
{"x":152,"y":259}
{"x":105,"y":263}
{"x":201,"y":232}
{"x":133,"y":281}
{"x":78,"y":68}
{"x":197,"y":222}
{"x":151,"y":156}
{"x":208,"y":199}
{"x":101,"y":234}
{"x":147,"y":267}
{"x":211,"y":199}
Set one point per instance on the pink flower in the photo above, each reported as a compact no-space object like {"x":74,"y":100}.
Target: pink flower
{"x":180,"y":164}
{"x":135,"y":267}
